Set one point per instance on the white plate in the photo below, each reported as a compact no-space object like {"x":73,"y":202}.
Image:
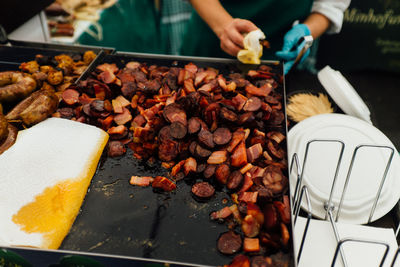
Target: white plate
{"x":367,"y":171}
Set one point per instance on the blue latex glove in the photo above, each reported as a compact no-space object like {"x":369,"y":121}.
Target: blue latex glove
{"x":289,"y":42}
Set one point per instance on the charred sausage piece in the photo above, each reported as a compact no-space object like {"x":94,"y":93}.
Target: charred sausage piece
{"x":14,"y":86}
{"x":116,"y":148}
{"x":222,"y":173}
{"x":228,"y":115}
{"x":202,"y":152}
{"x":235,"y":180}
{"x":164,"y":134}
{"x":201,"y":167}
{"x":276,"y":118}
{"x":205,"y":138}
{"x":222,"y":136}
{"x":274,"y":179}
{"x":97,"y":106}
{"x":229,"y":243}
{"x":209,"y":171}
{"x":168,"y":150}
{"x":178,"y":130}
{"x":271,"y":100}
{"x":192,"y":147}
{"x":12,"y":133}
{"x":173,"y":113}
{"x":194,"y":125}
{"x":275,"y":149}
{"x":203,"y":190}
{"x":252,"y":104}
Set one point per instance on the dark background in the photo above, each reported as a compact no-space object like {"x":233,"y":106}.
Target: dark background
{"x":14,"y":13}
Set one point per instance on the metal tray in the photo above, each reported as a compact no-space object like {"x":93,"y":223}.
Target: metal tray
{"x":11,"y":56}
{"x":119,"y":219}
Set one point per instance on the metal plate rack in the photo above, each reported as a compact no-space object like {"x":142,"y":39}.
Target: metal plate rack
{"x":332,"y":215}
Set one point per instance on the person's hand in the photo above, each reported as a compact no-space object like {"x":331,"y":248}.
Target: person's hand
{"x":231,"y":35}
{"x":289,"y":42}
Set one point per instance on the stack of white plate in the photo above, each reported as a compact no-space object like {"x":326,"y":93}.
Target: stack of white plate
{"x":367,"y":171}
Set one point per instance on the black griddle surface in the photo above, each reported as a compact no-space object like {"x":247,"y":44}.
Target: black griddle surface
{"x":118,"y":218}
{"x":121,"y":219}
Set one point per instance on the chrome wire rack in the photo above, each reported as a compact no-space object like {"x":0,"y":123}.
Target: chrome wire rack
{"x":332,"y":212}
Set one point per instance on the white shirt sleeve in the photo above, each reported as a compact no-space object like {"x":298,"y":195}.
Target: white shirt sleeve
{"x":333,"y":10}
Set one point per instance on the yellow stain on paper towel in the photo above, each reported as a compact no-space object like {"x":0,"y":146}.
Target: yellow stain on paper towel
{"x":53,"y":212}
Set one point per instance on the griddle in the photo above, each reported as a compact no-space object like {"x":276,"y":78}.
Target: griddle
{"x":123,"y":225}
{"x":120,"y":219}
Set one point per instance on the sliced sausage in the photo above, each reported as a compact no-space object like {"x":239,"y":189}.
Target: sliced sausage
{"x":164,"y":134}
{"x":229,"y":243}
{"x":194,"y":125}
{"x":168,"y":150}
{"x":70,"y":96}
{"x":222,"y":136}
{"x":173,"y":113}
{"x":209,"y":171}
{"x":205,"y":138}
{"x":178,"y":130}
{"x":192,"y":147}
{"x":203,"y":190}
{"x":252,"y":104}
{"x":202,"y":152}
{"x":116,"y":148}
{"x":235,"y":180}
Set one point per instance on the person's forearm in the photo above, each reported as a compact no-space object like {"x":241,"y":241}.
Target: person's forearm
{"x":213,"y":13}
{"x":317,"y":23}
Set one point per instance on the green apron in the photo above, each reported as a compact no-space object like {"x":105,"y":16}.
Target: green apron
{"x":273,"y":17}
{"x":129,"y":25}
